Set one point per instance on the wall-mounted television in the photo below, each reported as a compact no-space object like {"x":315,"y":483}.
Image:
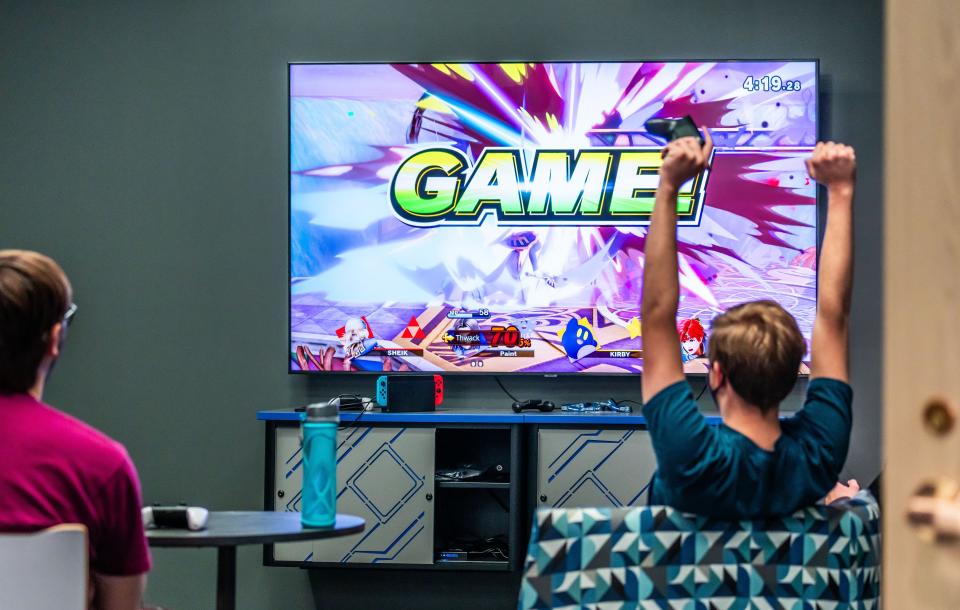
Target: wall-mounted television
{"x":490,"y":217}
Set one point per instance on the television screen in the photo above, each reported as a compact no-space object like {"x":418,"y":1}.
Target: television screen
{"x":490,"y":217}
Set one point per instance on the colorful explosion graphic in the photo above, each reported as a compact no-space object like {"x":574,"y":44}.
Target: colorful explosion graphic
{"x":352,"y":125}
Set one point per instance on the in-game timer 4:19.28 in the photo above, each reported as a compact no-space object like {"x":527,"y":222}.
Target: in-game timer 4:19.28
{"x":770,"y":83}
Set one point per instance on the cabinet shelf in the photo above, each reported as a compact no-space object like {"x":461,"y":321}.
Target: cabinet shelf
{"x":491,"y":566}
{"x":445,"y":514}
{"x":471,"y":484}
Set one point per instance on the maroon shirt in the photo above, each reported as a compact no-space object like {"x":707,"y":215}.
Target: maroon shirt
{"x":56,"y":469}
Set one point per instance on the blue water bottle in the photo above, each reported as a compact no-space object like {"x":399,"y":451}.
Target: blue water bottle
{"x":318,"y":503}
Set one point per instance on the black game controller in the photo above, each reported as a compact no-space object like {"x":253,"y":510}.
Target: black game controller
{"x":528,"y":405}
{"x":672,"y":129}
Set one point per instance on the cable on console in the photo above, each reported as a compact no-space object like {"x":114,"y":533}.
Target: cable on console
{"x":703,"y":389}
{"x":505,"y":390}
{"x":364,"y":403}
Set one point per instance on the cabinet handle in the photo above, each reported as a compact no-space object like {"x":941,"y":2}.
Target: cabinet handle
{"x":280,"y":494}
{"x":429,"y":497}
{"x":543,"y":498}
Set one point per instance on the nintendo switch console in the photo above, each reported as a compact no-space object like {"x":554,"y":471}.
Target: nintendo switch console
{"x":406,"y":393}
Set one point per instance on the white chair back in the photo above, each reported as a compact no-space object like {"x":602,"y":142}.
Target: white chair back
{"x":45,"y":570}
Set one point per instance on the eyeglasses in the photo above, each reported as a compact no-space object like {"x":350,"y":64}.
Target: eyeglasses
{"x":71,"y":312}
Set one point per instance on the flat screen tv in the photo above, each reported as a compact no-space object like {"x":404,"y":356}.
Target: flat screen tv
{"x":490,"y":217}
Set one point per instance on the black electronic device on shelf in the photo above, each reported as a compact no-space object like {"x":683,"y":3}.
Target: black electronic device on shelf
{"x":475,"y":548}
{"x":474,"y":473}
{"x":533,"y":404}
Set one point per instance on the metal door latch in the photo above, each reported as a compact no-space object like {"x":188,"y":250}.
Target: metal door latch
{"x":934,"y":511}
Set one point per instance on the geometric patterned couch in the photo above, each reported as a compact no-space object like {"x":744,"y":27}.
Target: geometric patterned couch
{"x":819,"y":558}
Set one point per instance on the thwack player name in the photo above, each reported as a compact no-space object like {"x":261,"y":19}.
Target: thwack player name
{"x":592,"y":186}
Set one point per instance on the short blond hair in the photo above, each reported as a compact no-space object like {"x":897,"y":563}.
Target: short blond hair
{"x":759,"y":348}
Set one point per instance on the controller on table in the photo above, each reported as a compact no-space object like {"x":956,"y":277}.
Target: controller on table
{"x":175,"y":517}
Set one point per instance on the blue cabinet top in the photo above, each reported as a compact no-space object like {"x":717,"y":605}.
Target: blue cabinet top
{"x":480,"y":416}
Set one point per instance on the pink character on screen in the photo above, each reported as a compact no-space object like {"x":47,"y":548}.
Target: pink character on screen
{"x":693,"y":338}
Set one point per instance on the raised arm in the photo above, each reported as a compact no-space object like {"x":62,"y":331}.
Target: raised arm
{"x":834,"y":166}
{"x":682,"y":160}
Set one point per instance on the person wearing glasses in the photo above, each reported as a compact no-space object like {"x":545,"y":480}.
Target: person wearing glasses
{"x":55,"y":468}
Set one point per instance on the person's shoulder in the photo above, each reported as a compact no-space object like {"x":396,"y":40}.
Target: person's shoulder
{"x":827,"y":410}
{"x":87,"y":446}
{"x":827,"y":389}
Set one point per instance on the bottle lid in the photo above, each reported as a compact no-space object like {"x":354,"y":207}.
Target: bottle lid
{"x":322,"y":411}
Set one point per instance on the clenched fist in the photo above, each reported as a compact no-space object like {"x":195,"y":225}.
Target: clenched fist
{"x":833,"y":165}
{"x":683,"y":159}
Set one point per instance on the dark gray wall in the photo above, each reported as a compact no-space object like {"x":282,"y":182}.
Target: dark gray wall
{"x":143,"y":144}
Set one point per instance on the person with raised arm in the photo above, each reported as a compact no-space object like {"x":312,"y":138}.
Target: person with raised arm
{"x":753,"y":464}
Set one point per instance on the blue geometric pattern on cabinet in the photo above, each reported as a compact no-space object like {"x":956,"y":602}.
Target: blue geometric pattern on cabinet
{"x":393,"y":466}
{"x":391,"y":550}
{"x":588,"y":483}
{"x":607,"y":467}
{"x":384,"y":476}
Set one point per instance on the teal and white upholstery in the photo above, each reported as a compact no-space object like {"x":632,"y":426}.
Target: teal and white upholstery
{"x":819,"y":558}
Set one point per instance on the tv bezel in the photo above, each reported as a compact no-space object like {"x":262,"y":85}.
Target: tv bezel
{"x":818,"y":226}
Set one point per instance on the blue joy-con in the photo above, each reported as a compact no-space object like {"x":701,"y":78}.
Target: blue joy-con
{"x":382,"y":390}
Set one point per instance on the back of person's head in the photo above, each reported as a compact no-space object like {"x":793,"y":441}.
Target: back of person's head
{"x":34,"y":296}
{"x":759,"y":349}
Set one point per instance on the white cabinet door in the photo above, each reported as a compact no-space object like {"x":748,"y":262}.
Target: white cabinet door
{"x":593,"y":468}
{"x":384,"y":475}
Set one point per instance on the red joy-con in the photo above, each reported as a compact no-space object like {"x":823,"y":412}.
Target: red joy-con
{"x":437,"y":390}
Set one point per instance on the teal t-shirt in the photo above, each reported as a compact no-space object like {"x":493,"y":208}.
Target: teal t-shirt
{"x":717,"y":472}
